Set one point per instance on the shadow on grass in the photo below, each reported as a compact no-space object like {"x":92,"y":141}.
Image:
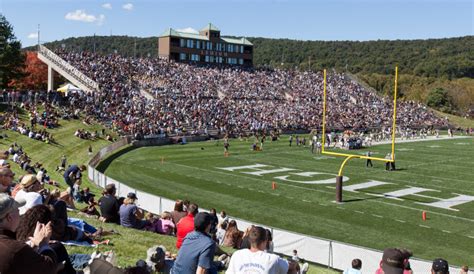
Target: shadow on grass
{"x":103,"y":165}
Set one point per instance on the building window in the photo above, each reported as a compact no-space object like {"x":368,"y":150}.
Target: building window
{"x":232,"y":61}
{"x":241,"y":49}
{"x":195,"y":57}
{"x":207,"y":58}
{"x":230,"y":48}
{"x":182,"y":43}
{"x":211,"y":59}
{"x":198,"y":44}
{"x":209,"y":46}
{"x":241,"y":61}
{"x":182,"y":56}
{"x":190,"y":44}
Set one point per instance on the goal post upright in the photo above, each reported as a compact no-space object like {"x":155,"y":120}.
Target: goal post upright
{"x":339,"y":181}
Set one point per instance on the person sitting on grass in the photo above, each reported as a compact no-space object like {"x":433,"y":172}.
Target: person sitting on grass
{"x":256,"y":260}
{"x":90,"y":210}
{"x":167,"y":225}
{"x":186,"y":224}
{"x":178,"y":212}
{"x":130,"y":215}
{"x":233,"y":236}
{"x":109,"y":205}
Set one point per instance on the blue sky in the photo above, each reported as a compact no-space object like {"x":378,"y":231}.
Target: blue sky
{"x":296,"y":19}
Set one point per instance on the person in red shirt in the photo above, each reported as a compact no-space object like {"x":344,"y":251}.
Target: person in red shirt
{"x":186,"y":225}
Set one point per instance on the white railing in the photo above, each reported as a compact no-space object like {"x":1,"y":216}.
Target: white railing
{"x":74,"y":72}
{"x":313,"y":249}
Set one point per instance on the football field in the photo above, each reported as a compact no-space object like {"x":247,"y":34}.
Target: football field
{"x":381,"y":208}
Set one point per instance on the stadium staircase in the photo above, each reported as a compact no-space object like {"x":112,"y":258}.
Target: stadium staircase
{"x":66,"y":70}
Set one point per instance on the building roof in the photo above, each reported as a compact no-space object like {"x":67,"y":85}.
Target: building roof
{"x":175,"y":33}
{"x":210,"y":27}
{"x":241,"y":41}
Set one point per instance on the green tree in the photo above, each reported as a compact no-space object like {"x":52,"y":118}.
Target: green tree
{"x":11,"y":58}
{"x":439,"y":98}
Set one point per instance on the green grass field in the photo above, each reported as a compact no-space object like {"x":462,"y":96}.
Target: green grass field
{"x":443,"y":167}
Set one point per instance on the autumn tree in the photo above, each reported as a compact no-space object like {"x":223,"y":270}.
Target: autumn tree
{"x":36,"y":74}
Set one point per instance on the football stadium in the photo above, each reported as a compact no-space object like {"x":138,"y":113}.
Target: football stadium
{"x":196,"y":152}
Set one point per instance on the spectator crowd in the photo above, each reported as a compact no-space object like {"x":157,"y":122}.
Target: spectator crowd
{"x":232,"y":100}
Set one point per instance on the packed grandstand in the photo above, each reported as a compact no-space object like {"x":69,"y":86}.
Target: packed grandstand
{"x":231,"y":100}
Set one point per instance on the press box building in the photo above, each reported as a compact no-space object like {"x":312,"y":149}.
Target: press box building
{"x":207,"y":46}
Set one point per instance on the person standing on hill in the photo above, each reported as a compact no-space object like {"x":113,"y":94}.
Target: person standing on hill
{"x":72,"y":174}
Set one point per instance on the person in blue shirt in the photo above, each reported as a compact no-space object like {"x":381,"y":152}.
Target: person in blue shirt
{"x":197,"y":252}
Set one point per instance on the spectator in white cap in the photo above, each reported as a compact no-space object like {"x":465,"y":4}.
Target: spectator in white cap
{"x":30,"y":192}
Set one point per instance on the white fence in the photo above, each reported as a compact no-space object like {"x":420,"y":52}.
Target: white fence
{"x":322,"y":251}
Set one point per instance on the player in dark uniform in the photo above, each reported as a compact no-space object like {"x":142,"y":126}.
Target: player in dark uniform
{"x":226,"y":145}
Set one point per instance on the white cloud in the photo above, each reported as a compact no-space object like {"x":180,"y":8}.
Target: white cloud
{"x":82,"y":16}
{"x":107,"y":6}
{"x":100,"y":19}
{"x":33,"y":35}
{"x":188,"y":30}
{"x":128,"y":6}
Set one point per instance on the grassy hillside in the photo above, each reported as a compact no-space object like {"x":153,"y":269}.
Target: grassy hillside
{"x":130,"y":245}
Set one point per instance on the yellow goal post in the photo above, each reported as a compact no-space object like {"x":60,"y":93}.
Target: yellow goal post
{"x":352,"y":156}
